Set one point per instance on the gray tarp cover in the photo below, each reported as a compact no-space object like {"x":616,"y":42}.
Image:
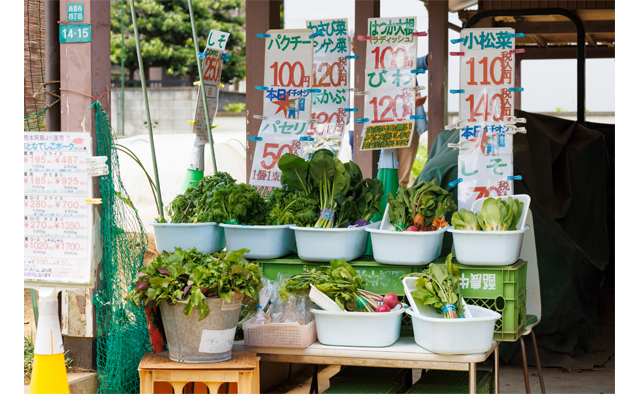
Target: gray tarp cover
{"x":567,"y":170}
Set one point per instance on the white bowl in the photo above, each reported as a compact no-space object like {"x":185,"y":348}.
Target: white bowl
{"x":488,"y":247}
{"x":406,"y":247}
{"x":205,"y":237}
{"x":326,"y":244}
{"x":263,"y":242}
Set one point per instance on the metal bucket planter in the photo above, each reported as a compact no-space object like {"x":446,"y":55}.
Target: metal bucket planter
{"x":206,"y":341}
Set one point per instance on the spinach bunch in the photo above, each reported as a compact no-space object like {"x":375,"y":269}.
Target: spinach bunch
{"x":195,"y":205}
{"x":189,"y":277}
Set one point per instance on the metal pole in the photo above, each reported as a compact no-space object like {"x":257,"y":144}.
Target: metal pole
{"x":146,"y":106}
{"x":52,"y":62}
{"x":204,"y":94}
{"x":122,"y":67}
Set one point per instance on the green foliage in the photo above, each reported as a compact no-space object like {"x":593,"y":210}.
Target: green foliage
{"x":235,"y":107}
{"x":189,"y":277}
{"x":424,"y":205}
{"x":495,"y":215}
{"x":239,"y":203}
{"x":438,"y":286}
{"x":292,"y":207}
{"x":166,"y":38}
{"x":421,"y":159}
{"x":196,"y":204}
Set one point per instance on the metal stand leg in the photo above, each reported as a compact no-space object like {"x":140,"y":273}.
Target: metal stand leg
{"x":535,"y":351}
{"x":472,"y":378}
{"x":314,"y":381}
{"x":524,"y":366}
{"x":496,"y":360}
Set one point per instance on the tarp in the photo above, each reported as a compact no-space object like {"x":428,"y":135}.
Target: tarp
{"x":566,"y":169}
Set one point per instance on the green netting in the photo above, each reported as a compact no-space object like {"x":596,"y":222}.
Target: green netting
{"x":35,"y":121}
{"x":123,"y":337}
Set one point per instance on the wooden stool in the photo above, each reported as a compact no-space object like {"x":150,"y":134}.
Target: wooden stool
{"x":243,"y":369}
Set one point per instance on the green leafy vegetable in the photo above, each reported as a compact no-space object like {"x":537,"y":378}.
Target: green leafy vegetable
{"x":424,"y":206}
{"x":189,"y":277}
{"x":239,"y":203}
{"x":495,"y":215}
{"x":195,"y":205}
{"x":292,"y":207}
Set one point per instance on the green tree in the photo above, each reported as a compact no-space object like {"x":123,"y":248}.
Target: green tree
{"x":166,"y":39}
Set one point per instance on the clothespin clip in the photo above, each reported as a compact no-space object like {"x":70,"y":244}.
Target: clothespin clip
{"x":455,"y":125}
{"x":364,"y":38}
{"x":306,"y":138}
{"x":417,"y":117}
{"x":454,"y":91}
{"x":221,"y":85}
{"x":457,"y":40}
{"x":417,"y":71}
{"x":516,"y":89}
{"x":521,"y":120}
{"x":254,"y":139}
{"x":454,"y":183}
{"x":362,"y":93}
{"x":313,"y":121}
{"x":456,"y":146}
{"x":96,"y":159}
{"x":516,"y":35}
{"x":351,"y":109}
{"x":515,"y":178}
{"x":314,"y":90}
{"x":361,"y":120}
{"x":191,"y":121}
{"x":514,"y":130}
{"x":456,"y":53}
{"x":262,"y":88}
{"x":263,"y":35}
{"x":225,"y":54}
{"x":519,"y":50}
{"x":350,"y":89}
{"x":419,"y":33}
{"x":225,"y":59}
{"x":418,"y":88}
{"x":196,"y":83}
{"x":261,"y":117}
{"x":202,"y":55}
{"x":319,"y":33}
{"x":352,"y":57}
{"x":93,"y":200}
{"x":515,"y":120}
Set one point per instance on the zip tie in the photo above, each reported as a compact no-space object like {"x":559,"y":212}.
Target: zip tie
{"x":516,"y":89}
{"x":361,"y":120}
{"x":263,"y":35}
{"x":516,"y":35}
{"x":314,"y":90}
{"x":262,"y":88}
{"x":350,"y":89}
{"x":419,"y":34}
{"x":351,"y":109}
{"x":202,"y":55}
{"x":306,"y":138}
{"x":365,"y":38}
{"x":417,"y":71}
{"x":362,"y":93}
{"x":457,"y":40}
{"x":191,"y":121}
{"x":352,"y":57}
{"x":519,"y":50}
{"x":197,"y":83}
{"x":416,"y":117}
{"x":454,"y":183}
{"x":515,"y":178}
{"x":259,"y":117}
{"x":453,"y":91}
{"x":319,"y":33}
{"x":254,"y":139}
{"x":93,"y":200}
{"x":456,"y":53}
{"x":418,"y":88}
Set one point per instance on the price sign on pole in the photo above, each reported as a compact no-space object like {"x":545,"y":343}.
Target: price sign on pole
{"x":389,"y":83}
{"x":58,"y":220}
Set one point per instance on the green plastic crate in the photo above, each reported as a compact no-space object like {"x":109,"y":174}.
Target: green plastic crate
{"x":353,"y":373}
{"x":435,"y":381}
{"x":364,"y":387}
{"x":381,"y":278}
{"x":501,"y":289}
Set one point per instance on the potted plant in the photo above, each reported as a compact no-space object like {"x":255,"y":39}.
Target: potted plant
{"x":199,"y":296}
{"x":192,"y":221}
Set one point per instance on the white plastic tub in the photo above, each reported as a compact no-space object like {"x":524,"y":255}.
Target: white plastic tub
{"x":205,"y":237}
{"x":454,"y":336}
{"x":369,"y":329}
{"x":406,"y":247}
{"x":420,"y":308}
{"x":488,"y":247}
{"x":326,"y":244}
{"x":264,"y":242}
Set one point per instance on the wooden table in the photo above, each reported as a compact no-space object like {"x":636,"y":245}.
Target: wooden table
{"x":405,"y":353}
{"x":243,"y":369}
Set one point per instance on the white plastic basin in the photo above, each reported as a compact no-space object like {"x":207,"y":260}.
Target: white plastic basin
{"x":326,"y":244}
{"x":369,"y":329}
{"x":454,"y":336}
{"x":205,"y":237}
{"x":264,"y":242}
{"x":488,"y":247}
{"x":406,"y":247}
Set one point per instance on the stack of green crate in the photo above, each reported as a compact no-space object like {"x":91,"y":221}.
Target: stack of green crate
{"x":365,"y":387}
{"x":445,"y":382}
{"x":373,"y":374}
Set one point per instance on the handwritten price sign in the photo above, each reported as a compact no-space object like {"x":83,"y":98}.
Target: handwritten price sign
{"x":52,"y":183}
{"x":55,"y":206}
{"x":38,"y":226}
{"x":52,"y":162}
{"x":51,"y":269}
{"x":56,"y":247}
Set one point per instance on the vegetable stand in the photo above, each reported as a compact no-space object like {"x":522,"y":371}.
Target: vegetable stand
{"x":405,"y":353}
